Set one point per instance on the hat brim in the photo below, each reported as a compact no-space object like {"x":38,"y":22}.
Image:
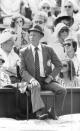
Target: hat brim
{"x":35,"y":30}
{"x":5,"y":36}
{"x":59,"y":19}
{"x":2,"y":60}
{"x":2,"y":26}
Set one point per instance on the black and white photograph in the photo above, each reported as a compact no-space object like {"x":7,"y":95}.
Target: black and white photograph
{"x":39,"y":65}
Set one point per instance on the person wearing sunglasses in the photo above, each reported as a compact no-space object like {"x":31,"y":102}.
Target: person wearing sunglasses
{"x":72,"y":10}
{"x":70,"y":48}
{"x":61,"y":32}
{"x":67,"y":76}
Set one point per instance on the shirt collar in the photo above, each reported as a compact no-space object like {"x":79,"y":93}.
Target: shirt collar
{"x":39,"y":46}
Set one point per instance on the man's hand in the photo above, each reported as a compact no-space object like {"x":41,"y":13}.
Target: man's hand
{"x":35,"y":83}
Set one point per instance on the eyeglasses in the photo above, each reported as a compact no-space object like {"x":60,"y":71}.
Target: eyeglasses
{"x":19,"y":21}
{"x":63,"y":30}
{"x":46,"y":7}
{"x":68,"y":6}
{"x":65,"y":65}
{"x":67,"y":44}
{"x":39,"y":22}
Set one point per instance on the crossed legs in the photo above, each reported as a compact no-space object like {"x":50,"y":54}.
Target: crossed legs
{"x":60,"y":94}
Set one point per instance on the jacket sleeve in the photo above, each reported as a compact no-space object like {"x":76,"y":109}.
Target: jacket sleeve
{"x":57,"y":63}
{"x":26,"y":76}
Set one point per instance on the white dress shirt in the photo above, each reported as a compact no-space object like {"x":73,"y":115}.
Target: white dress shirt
{"x":42,"y":73}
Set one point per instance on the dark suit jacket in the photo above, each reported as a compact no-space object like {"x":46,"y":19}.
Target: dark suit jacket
{"x":28,"y":66}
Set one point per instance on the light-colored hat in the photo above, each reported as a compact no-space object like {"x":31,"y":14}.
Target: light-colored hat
{"x":5,"y":37}
{"x":3,"y":26}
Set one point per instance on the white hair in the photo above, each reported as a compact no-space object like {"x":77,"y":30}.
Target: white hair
{"x":42,"y":15}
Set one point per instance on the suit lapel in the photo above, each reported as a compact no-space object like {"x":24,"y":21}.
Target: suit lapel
{"x":44,"y":53}
{"x":31,"y":58}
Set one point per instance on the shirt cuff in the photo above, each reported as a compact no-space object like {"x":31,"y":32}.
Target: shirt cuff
{"x":32,"y":80}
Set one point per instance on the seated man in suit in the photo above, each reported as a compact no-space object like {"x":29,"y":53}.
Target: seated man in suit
{"x":36,"y":70}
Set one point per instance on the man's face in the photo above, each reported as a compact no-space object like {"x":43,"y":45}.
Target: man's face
{"x":40,"y":22}
{"x":8,"y":45}
{"x":35,"y":37}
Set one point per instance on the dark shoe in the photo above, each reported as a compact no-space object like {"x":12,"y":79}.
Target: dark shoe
{"x":42,"y":117}
{"x":52,"y":115}
{"x":21,"y":117}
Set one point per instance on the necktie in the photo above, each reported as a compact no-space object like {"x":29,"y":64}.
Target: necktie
{"x":37,"y":67}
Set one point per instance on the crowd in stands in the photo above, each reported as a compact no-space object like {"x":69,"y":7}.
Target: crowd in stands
{"x":60,"y":23}
{"x":61,"y":26}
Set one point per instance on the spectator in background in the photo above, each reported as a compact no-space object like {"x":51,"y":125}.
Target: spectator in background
{"x":70,"y":48}
{"x":26,"y":11}
{"x":10,"y":8}
{"x":56,"y":7}
{"x":40,"y":18}
{"x":46,"y":6}
{"x":71,"y":8}
{"x":61,"y":32}
{"x":64,"y":18}
{"x":67,"y":76}
{"x":8,"y":54}
{"x":20,"y":26}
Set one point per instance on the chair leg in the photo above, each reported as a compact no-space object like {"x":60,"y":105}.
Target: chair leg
{"x":17,"y":98}
{"x":27,"y":105}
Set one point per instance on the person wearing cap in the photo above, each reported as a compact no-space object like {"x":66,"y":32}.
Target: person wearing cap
{"x":8,"y":54}
{"x":36,"y":69}
{"x":40,"y":19}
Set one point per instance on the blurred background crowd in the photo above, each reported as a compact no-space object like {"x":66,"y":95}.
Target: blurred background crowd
{"x":60,"y":22}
